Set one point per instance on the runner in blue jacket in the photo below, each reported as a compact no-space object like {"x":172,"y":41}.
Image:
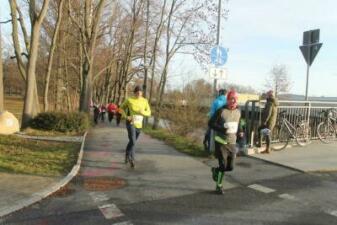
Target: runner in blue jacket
{"x":219,"y":102}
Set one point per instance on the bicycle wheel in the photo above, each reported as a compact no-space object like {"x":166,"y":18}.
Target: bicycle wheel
{"x":282,"y":139}
{"x":326,"y":132}
{"x":303,"y":134}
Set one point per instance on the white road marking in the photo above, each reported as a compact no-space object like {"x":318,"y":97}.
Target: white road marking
{"x":123,"y":223}
{"x":261,"y":188}
{"x":287,"y":196}
{"x":110,"y":211}
{"x":98,"y":197}
{"x":333,"y":213}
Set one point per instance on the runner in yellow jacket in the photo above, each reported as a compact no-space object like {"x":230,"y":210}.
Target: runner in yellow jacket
{"x":134,"y":109}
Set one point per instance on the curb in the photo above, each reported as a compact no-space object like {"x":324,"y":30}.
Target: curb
{"x":46,"y":138}
{"x":36,"y":197}
{"x":277,"y":164}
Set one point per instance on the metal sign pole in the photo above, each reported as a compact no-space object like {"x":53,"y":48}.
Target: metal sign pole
{"x":217,"y":42}
{"x":307,"y":85}
{"x":309,"y":49}
{"x":212,"y":144}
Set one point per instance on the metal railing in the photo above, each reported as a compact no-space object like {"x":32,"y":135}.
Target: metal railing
{"x":309,"y":110}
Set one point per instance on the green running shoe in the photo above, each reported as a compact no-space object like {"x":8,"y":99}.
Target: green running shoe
{"x":219,"y":190}
{"x":215,"y":172}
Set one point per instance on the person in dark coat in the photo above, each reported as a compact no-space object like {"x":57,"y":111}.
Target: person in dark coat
{"x":103,"y":110}
{"x":118,"y":115}
{"x":96,"y":113}
{"x":268,"y":121}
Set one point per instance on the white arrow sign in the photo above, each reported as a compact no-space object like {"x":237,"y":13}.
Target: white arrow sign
{"x":218,"y":73}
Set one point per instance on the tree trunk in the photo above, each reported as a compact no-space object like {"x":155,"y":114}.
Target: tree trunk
{"x":60,"y":86}
{"x":30,"y":107}
{"x":51,"y":54}
{"x":66,"y":77}
{"x":154,"y":50}
{"x":31,"y":89}
{"x":159,"y":99}
{"x":92,"y":18}
{"x":86,"y":88}
{"x":1,"y":77}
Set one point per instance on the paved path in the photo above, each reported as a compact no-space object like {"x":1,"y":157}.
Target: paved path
{"x":316,"y":157}
{"x":166,"y":172}
{"x":168,"y":187}
{"x":15,"y":188}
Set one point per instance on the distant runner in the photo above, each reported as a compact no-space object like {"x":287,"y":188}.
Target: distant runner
{"x":112,"y":108}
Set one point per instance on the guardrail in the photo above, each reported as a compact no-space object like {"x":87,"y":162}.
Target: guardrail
{"x":310,"y":111}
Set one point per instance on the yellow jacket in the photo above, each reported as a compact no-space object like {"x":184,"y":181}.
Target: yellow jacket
{"x":137,"y":108}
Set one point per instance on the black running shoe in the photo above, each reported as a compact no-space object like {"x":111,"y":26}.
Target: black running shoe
{"x":126,"y":159}
{"x":132,"y":163}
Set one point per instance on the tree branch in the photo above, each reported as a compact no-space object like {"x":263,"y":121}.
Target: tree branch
{"x":15,"y":36}
{"x":24,"y":30}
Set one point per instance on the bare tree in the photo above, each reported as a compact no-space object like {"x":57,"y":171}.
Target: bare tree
{"x":1,"y":77}
{"x":32,"y":46}
{"x":279,"y":80}
{"x":87,"y":21}
{"x":51,"y":52}
{"x":158,"y":34}
{"x":183,"y":21}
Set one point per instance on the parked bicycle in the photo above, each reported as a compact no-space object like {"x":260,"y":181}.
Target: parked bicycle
{"x":326,"y":130}
{"x":285,"y":131}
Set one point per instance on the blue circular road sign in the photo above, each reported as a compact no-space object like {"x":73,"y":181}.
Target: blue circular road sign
{"x":219,"y":56}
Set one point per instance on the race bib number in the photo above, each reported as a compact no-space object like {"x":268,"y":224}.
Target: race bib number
{"x":137,"y":119}
{"x":232,"y":127}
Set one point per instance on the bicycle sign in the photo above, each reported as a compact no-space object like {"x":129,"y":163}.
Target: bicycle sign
{"x":218,"y":56}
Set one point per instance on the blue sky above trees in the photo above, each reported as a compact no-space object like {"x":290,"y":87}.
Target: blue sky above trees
{"x":261,"y":34}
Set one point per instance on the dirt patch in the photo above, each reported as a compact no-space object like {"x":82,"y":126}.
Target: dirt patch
{"x":103,"y":183}
{"x":63,"y":192}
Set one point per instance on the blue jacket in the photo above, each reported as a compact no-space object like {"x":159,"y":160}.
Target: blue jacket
{"x":217,"y":104}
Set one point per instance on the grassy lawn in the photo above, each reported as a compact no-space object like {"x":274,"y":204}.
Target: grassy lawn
{"x":180,"y":143}
{"x":18,"y":155}
{"x":15,"y":105}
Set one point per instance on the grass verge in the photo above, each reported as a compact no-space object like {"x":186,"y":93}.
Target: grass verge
{"x":19,"y":155}
{"x":180,"y":143}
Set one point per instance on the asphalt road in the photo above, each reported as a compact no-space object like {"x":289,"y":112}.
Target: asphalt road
{"x":167,"y":187}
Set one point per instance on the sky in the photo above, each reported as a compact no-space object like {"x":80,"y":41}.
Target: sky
{"x":260,"y":34}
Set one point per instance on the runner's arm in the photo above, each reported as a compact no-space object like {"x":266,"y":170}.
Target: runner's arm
{"x":215,"y":124}
{"x":123,"y":108}
{"x":147,"y":111}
